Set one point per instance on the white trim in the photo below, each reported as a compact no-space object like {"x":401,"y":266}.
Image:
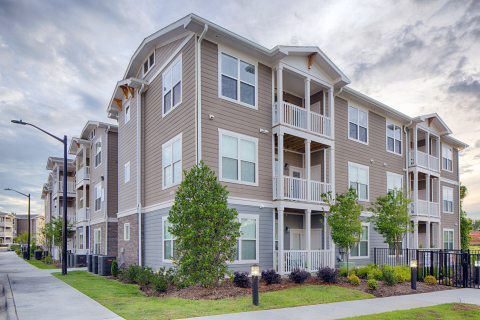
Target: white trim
{"x":355,"y":106}
{"x":127,"y":165}
{"x":257,"y":239}
{"x":95,"y":240}
{"x":95,"y":197}
{"x":150,"y":67}
{"x":368,"y":178}
{"x":164,"y":218}
{"x":101,"y":220}
{"x":170,"y":69}
{"x":125,"y":213}
{"x":394,"y":138}
{"x":448,"y":190}
{"x":240,"y":137}
{"x":445,"y":180}
{"x":449,"y":148}
{"x":125,"y":225}
{"x":168,"y":144}
{"x":443,"y":237}
{"x":364,"y":224}
{"x":95,"y":152}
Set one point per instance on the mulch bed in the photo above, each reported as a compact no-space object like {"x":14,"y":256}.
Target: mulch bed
{"x":229,"y":290}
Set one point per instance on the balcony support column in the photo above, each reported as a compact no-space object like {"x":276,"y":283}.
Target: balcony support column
{"x":281,"y":164}
{"x":331,"y":112}
{"x":427,"y":191}
{"x":415,"y":233}
{"x":308,"y":227}
{"x":281,"y":232}
{"x":280,"y":94}
{"x":308,"y":167}
{"x":428,"y":245}
{"x":415,"y":192}
{"x":307,"y":103}
{"x":415,"y":145}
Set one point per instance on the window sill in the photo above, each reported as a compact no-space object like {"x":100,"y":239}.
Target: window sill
{"x":450,"y":171}
{"x":245,"y":261}
{"x":395,"y":153}
{"x":253,"y":184}
{"x":358,"y":258}
{"x":447,"y":212}
{"x":171,"y":185}
{"x":357,"y":140}
{"x":171,"y":109}
{"x":239,"y":102}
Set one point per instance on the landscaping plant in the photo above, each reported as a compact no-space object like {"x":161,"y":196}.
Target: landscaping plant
{"x":430,"y":280}
{"x":241,"y":279}
{"x":466,"y":224}
{"x":159,"y":283}
{"x":205,"y":229}
{"x":389,"y":277}
{"x":114,"y":268}
{"x":372,"y":284}
{"x":344,"y":219}
{"x":271,"y":276}
{"x":299,"y":276}
{"x":354,"y":280}
{"x":328,"y":274}
{"x":403,"y":271}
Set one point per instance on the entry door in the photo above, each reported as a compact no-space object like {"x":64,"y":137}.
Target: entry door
{"x":297,"y":239}
{"x":316,"y":239}
{"x":295,"y":191}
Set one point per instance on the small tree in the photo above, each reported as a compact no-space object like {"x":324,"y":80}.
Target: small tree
{"x":344,"y":220}
{"x":53,"y":232}
{"x":114,"y":268}
{"x":204,"y":228}
{"x":466,"y":225}
{"x":22,"y":238}
{"x":391,"y":218}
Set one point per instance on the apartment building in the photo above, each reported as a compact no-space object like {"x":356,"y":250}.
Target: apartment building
{"x":96,"y":188}
{"x":7,"y":228}
{"x":37,"y":223}
{"x":279,"y":127}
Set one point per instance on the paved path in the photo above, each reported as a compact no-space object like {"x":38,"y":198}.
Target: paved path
{"x":347,"y":309}
{"x":39,"y":295}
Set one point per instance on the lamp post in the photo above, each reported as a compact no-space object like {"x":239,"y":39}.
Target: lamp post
{"x":255,"y":274}
{"x":413,"y":266}
{"x":28,"y":196}
{"x":64,"y":233}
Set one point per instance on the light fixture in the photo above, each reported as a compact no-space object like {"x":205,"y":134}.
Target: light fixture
{"x":413,"y":268}
{"x":255,"y":274}
{"x":216,"y":36}
{"x":255,"y":270}
{"x":287,"y":229}
{"x":287,"y":166}
{"x":413,"y":263}
{"x":477,"y":263}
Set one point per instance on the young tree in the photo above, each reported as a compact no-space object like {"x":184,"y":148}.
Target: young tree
{"x":22,"y":238}
{"x":344,"y":220}
{"x":391,"y":218}
{"x":204,"y":229}
{"x":53,"y":232}
{"x":466,"y":225}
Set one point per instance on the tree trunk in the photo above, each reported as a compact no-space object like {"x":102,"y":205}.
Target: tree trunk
{"x":348,"y":269}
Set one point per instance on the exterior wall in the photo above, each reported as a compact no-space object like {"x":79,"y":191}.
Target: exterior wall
{"x":128,"y":250}
{"x":451,"y":175}
{"x":96,"y":173}
{"x":94,"y":227}
{"x":449,"y":220}
{"x":239,"y":119}
{"x":112,"y":176}
{"x":112,"y":245}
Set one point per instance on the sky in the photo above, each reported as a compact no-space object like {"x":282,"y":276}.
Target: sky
{"x":60,"y":60}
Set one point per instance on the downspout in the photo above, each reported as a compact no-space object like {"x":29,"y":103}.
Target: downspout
{"x":105,"y":168}
{"x":199,"y":94}
{"x":139,"y":168}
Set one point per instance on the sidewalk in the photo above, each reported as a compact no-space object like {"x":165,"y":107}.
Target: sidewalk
{"x":347,"y":309}
{"x":39,"y":295}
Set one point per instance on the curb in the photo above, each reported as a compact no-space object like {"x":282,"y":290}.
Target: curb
{"x":7,"y":303}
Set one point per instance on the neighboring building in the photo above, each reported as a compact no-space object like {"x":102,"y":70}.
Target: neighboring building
{"x":475,"y":238}
{"x":96,"y":166}
{"x":7,"y":228}
{"x":37,"y":222}
{"x":195,"y":90}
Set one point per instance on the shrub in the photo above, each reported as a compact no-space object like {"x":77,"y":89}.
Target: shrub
{"x":328,"y":274}
{"x":14,"y":247}
{"x":363,"y":272}
{"x":18,"y":252}
{"x":271,"y":276}
{"x":400,"y":278}
{"x":403,"y":272}
{"x":299,"y":276}
{"x":372,"y":284}
{"x":354,"y":280}
{"x":241,"y":279}
{"x":343,"y":272}
{"x":114,"y":268}
{"x":159,"y":283}
{"x":447,"y":282}
{"x":130,"y":274}
{"x":389,"y":277}
{"x":376,"y":274}
{"x":169,"y":275}
{"x":430,"y":280}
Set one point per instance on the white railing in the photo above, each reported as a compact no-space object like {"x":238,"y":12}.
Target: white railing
{"x":83,"y":214}
{"x":320,"y":124}
{"x":295,"y":259}
{"x":59,"y":187}
{"x":275,"y":188}
{"x":433,"y":209}
{"x":434,"y":163}
{"x":298,"y":259}
{"x":319,"y":259}
{"x":422,"y":208}
{"x":82,"y":174}
{"x":411,"y":155}
{"x":317,"y":188}
{"x":422,"y":159}
{"x":295,"y":188}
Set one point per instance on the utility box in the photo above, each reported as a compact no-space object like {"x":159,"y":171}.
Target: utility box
{"x":37,"y":255}
{"x":69,"y":260}
{"x":95,"y":263}
{"x":80,"y":260}
{"x":105,"y":265}
{"x":350,"y":265}
{"x":25,"y":254}
{"x":89,"y":262}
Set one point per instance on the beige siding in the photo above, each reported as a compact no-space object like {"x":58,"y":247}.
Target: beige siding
{"x":348,"y":150}
{"x":112,"y":175}
{"x":451,"y":175}
{"x":97,"y":172}
{"x":448,"y":220}
{"x":237,"y":118}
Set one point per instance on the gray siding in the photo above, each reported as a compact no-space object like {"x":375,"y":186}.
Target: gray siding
{"x":112,"y":175}
{"x":448,"y":220}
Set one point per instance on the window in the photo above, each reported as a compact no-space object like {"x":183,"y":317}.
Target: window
{"x":358,"y":176}
{"x":80,"y":244}
{"x":361,"y":249}
{"x":357,"y":124}
{"x":127,"y":114}
{"x":168,"y":241}
{"x":447,"y":163}
{"x":97,"y":241}
{"x":238,"y":158}
{"x":98,"y":197}
{"x":238,"y":76}
{"x":126,"y":231}
{"x":149,"y":63}
{"x":394,"y":138}
{"x":172,"y":86}
{"x":447,"y":199}
{"x":92,"y":134}
{"x":98,"y":153}
{"x":448,"y":239}
{"x":127,"y":171}
{"x":172,"y":161}
{"x":394,"y":181}
{"x":247,"y":244}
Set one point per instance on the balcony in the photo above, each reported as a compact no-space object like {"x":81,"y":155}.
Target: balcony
{"x":300,"y":118}
{"x":6,"y":234}
{"x":295,"y":189}
{"x":58,"y":188}
{"x":424,"y":160}
{"x":428,"y":209}
{"x":82,"y":176}
{"x":83,"y":214}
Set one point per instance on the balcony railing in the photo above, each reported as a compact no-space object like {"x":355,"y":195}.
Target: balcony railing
{"x":83,"y":214}
{"x":429,"y":209}
{"x":300,"y":118}
{"x":424,"y":160}
{"x":298,"y":259}
{"x":296,"y":189}
{"x":58,"y":187}
{"x":83,"y":174}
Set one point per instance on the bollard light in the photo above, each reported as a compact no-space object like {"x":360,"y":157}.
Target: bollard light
{"x":413,"y":267}
{"x":255,"y":274}
{"x":413,"y":263}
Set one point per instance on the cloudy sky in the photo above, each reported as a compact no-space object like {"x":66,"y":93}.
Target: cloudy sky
{"x":59,"y":61}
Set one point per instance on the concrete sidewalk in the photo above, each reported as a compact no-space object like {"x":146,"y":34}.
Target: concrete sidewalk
{"x":340,"y":310}
{"x":39,"y":295}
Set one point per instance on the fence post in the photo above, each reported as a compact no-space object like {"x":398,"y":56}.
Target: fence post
{"x":465,"y":269}
{"x":431,"y":263}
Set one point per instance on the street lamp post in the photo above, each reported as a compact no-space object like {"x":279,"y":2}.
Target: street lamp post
{"x":28,"y":196}
{"x":64,"y":233}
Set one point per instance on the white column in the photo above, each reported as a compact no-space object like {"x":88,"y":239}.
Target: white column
{"x":331,"y":111}
{"x":428,"y":235}
{"x":439,"y":235}
{"x":308,"y":169}
{"x":415,"y":192}
{"x":415,"y":233}
{"x":273,"y":167}
{"x":280,"y":190}
{"x":324,"y":247}
{"x":427,"y":191}
{"x":427,"y":145}
{"x":415,"y":145}
{"x":307,"y":103}
{"x":281,"y":231}
{"x":308,"y":228}
{"x":280,"y":94}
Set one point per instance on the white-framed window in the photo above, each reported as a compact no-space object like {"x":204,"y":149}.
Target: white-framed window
{"x":394,"y":181}
{"x":98,"y":197}
{"x":168,"y":241}
{"x":80,"y":241}
{"x":97,"y":238}
{"x":98,"y":153}
{"x":447,"y":199}
{"x":126,"y":231}
{"x":92,"y":134}
{"x":394,"y":138}
{"x":127,"y":113}
{"x":237,"y":80}
{"x":448,"y":239}
{"x":357,"y":125}
{"x":238,"y":158}
{"x":362,"y":249}
{"x":359,"y":180}
{"x":149,"y":63}
{"x":127,"y":172}
{"x":172,"y":161}
{"x":248,"y":242}
{"x":447,"y":156}
{"x":172,"y":86}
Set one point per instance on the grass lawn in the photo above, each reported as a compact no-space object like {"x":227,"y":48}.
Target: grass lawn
{"x":129,"y":302}
{"x":40,"y":265}
{"x":442,"y":311}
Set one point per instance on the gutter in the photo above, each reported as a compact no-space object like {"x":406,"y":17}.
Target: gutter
{"x":199,"y":94}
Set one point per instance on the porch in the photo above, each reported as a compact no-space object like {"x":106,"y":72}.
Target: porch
{"x":424,"y":150}
{"x":426,"y":235}
{"x":426,"y":194}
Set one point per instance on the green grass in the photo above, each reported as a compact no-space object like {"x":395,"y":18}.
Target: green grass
{"x":442,"y":311}
{"x":40,"y":265}
{"x":129,"y":302}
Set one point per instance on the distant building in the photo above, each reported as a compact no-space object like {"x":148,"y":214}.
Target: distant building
{"x":7,"y":228}
{"x":37,"y":222}
{"x":475,"y":238}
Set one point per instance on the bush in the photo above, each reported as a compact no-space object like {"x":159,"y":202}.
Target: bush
{"x":400,"y":278}
{"x":159,"y":283}
{"x":363,"y":272}
{"x":241,"y":279}
{"x":14,"y":247}
{"x":343,"y":272}
{"x":18,"y":251}
{"x":114,"y":268}
{"x":353,"y":279}
{"x":372,"y":284}
{"x":430,"y":280}
{"x":447,"y":282}
{"x":403,"y":272}
{"x":328,"y":274}
{"x":130,"y":274}
{"x":299,"y":276}
{"x":169,"y":275}
{"x":389,"y":277}
{"x":271,"y":276}
{"x":375,"y":274}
